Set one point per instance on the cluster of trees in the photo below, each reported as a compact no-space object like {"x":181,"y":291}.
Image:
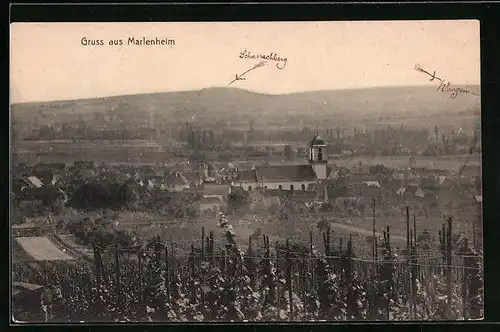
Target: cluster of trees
{"x":101,"y":232}
{"x":237,"y":201}
{"x":85,"y":132}
{"x":130,"y":196}
{"x":91,"y":196}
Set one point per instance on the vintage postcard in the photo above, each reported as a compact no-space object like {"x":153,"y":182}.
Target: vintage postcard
{"x":246,"y":172}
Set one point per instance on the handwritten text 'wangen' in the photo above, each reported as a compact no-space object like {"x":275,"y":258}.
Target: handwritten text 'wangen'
{"x":445,"y":86}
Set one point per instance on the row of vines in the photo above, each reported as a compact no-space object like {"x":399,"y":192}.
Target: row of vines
{"x":263,"y":281}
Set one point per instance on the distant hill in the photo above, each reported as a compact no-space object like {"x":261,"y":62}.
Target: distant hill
{"x":215,"y":104}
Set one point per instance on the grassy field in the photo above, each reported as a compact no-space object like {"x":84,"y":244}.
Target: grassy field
{"x":147,"y":152}
{"x":399,"y":162}
{"x":444,"y":162}
{"x":136,"y":151}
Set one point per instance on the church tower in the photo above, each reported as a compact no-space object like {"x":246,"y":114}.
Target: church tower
{"x":318,"y":157}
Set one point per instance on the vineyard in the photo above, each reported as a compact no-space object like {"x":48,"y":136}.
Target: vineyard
{"x":219,"y":279}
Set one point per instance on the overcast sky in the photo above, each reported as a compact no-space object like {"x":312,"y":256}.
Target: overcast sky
{"x":48,"y":61}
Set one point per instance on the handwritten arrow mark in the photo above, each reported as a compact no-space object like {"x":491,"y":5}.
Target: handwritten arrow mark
{"x":241,"y":78}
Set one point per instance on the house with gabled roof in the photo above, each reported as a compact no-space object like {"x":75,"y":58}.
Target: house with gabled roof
{"x":176,"y":182}
{"x":33,"y":182}
{"x":288,"y":177}
{"x":22,"y":185}
{"x":281,"y":177}
{"x":45,"y":176}
{"x":285,"y":177}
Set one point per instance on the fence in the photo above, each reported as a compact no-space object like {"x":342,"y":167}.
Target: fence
{"x":217,"y":280}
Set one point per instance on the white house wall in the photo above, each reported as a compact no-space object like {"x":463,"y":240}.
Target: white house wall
{"x":276,"y":185}
{"x":286,"y":185}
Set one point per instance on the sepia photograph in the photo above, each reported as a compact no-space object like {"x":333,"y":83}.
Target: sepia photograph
{"x":189,"y":172}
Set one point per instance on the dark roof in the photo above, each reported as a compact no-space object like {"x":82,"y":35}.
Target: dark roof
{"x":317,"y":140}
{"x":246,"y":176}
{"x":286,"y":173}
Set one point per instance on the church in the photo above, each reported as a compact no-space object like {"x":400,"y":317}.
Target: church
{"x":288,"y":177}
